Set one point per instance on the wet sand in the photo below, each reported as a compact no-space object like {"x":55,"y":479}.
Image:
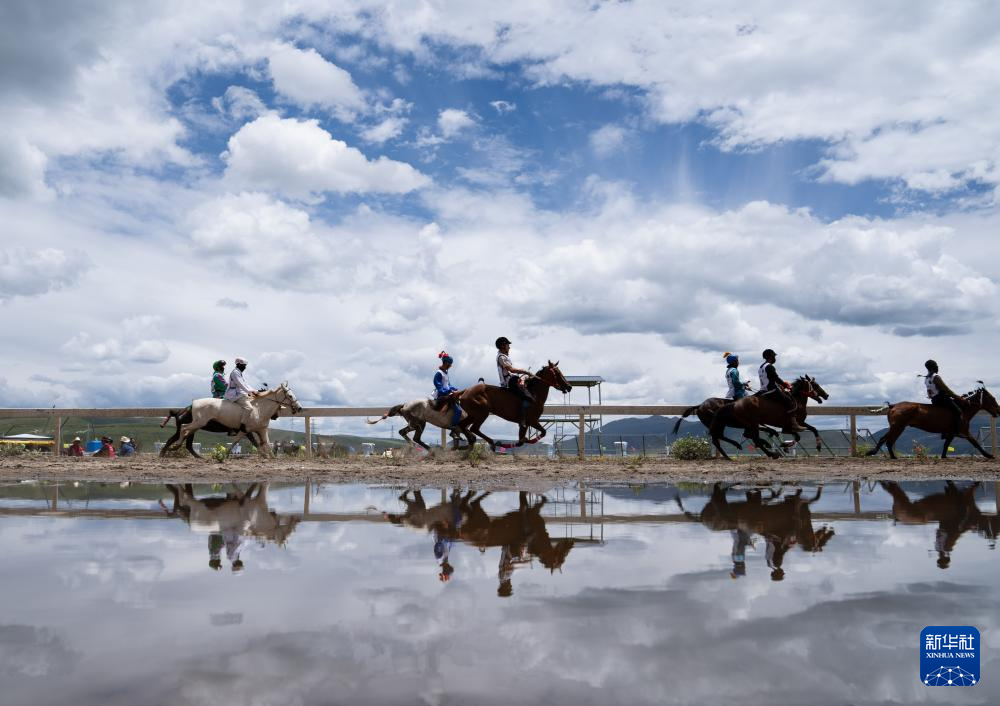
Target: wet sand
{"x":502,"y":472}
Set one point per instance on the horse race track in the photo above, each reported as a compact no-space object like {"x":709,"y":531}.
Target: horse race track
{"x":523,"y":472}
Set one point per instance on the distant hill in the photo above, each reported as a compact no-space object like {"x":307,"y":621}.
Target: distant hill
{"x":655,"y":433}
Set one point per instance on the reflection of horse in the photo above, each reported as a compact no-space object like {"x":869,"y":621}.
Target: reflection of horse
{"x":954,"y":510}
{"x":782,"y":524}
{"x":524,"y":527}
{"x":244,"y":512}
{"x":418,"y":516}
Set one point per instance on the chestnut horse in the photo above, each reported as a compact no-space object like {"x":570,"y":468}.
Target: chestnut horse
{"x":707,"y":409}
{"x":937,"y":420}
{"x":751,"y":412}
{"x":480,"y":401}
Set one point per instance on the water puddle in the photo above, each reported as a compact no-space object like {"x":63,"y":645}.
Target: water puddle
{"x":322,"y":593}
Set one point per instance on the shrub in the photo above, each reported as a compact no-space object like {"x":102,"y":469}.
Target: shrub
{"x":919,"y":451}
{"x":219,"y":453}
{"x":13,"y":449}
{"x":691,"y":448}
{"x":862,"y":450}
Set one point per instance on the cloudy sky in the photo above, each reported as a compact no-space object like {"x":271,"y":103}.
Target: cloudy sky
{"x":339,"y":190}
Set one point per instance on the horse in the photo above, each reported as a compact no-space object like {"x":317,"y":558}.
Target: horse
{"x":937,"y":420}
{"x":265,"y":405}
{"x":480,"y":401}
{"x":418,"y":413}
{"x":183,"y":416}
{"x":753,"y":411}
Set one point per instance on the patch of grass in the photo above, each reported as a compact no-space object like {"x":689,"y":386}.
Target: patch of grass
{"x":13,"y":449}
{"x":919,"y":451}
{"x":634,"y":463}
{"x":862,"y":451}
{"x":691,"y":448}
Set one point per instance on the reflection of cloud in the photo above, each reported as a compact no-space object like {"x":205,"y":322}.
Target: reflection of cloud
{"x":33,"y":652}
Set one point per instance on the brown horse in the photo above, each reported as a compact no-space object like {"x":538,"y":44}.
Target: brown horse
{"x":749,"y":413}
{"x":480,"y":401}
{"x":937,"y":420}
{"x":707,"y":409}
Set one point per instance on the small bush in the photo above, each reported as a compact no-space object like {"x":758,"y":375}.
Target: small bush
{"x":691,"y":448}
{"x":476,"y":454}
{"x":862,"y":451}
{"x":13,"y":449}
{"x":219,"y":453}
{"x":919,"y":451}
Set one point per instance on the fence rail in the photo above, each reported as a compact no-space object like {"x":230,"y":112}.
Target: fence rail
{"x":569,"y":412}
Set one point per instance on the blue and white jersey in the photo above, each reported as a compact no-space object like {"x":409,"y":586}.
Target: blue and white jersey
{"x":442,"y":385}
{"x":735,"y":390}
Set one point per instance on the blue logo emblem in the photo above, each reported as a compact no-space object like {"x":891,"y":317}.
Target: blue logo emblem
{"x":949,"y":655}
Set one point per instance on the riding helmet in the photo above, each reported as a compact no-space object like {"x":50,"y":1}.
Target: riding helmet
{"x":502,"y":341}
{"x":931,"y":365}
{"x":768,"y":353}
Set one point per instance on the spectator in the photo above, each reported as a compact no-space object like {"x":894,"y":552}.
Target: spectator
{"x":127,"y":447}
{"x":76,"y":448}
{"x":107,"y":448}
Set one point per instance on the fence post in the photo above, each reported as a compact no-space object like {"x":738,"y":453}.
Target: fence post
{"x":581,"y":442}
{"x":854,"y":435}
{"x":444,"y":439}
{"x":309,"y":437}
{"x":57,"y":447}
{"x":305,"y":500}
{"x":856,"y":490}
{"x":993,"y":436}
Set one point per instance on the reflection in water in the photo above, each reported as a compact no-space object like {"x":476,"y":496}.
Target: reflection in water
{"x":954,"y":510}
{"x":231,"y":520}
{"x":783,"y":522}
{"x":520,"y":534}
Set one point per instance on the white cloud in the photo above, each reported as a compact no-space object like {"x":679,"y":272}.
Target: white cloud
{"x":227,"y":303}
{"x":240,"y":103}
{"x":384,"y":131}
{"x":22,"y":169}
{"x":503,"y":107}
{"x":452,"y":121}
{"x":607,"y":140}
{"x":26,"y":272}
{"x":301,"y":159}
{"x":137,"y":342}
{"x":307,"y":79}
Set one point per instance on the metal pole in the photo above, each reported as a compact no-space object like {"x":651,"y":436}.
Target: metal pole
{"x":854,"y":435}
{"x":580,"y":440}
{"x":57,"y":447}
{"x":309,"y":437}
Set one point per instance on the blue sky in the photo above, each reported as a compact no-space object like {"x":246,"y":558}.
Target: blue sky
{"x":338,"y":191}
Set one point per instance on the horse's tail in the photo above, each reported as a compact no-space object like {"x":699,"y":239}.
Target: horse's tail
{"x":687,"y":413}
{"x":393,"y":412}
{"x":887,"y":407}
{"x":170,"y":415}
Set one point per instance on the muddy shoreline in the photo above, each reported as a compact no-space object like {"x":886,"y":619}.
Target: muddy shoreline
{"x":494,"y":472}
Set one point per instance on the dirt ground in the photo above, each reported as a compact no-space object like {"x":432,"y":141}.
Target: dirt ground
{"x":500,"y":472}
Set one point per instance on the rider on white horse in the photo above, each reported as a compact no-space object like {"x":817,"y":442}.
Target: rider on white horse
{"x":444,"y":390}
{"x":239,"y":392}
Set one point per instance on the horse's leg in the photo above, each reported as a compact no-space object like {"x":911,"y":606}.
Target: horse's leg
{"x":890,"y":441}
{"x":878,"y":444}
{"x":541,"y":433}
{"x":754,"y":431}
{"x":475,"y":429}
{"x":980,"y":449}
{"x":265,"y":443}
{"x":189,"y":445}
{"x":730,"y":441}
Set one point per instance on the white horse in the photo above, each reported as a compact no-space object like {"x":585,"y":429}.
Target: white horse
{"x":418,"y":413}
{"x":265,"y":405}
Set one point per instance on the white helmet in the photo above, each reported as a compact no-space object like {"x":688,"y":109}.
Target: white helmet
{"x":241,"y":361}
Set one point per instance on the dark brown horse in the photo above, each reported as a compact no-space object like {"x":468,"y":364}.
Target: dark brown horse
{"x":480,"y":401}
{"x":937,"y":420}
{"x":707,"y":409}
{"x":750,"y":413}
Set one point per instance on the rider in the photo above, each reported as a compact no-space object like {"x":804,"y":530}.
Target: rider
{"x":941,"y":395}
{"x":737,"y":387}
{"x":510,"y":377}
{"x":771,"y":383}
{"x":239,"y":392}
{"x":219,"y":384}
{"x":444,"y":391}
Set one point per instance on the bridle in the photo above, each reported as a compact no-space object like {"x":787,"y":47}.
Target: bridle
{"x":551,"y":383}
{"x":284,"y":403}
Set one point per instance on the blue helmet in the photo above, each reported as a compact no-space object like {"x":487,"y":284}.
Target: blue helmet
{"x":732,"y":359}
